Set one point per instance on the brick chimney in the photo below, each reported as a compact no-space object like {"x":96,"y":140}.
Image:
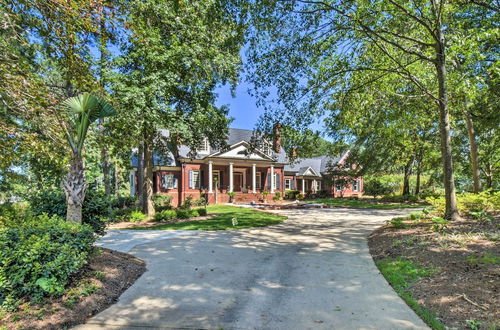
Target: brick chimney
{"x":277,"y":137}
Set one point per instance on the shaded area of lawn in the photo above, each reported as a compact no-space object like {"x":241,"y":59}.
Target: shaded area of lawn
{"x":365,"y":204}
{"x":246,"y":218}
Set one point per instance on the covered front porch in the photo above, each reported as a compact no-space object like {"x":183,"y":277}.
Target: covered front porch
{"x":306,"y":184}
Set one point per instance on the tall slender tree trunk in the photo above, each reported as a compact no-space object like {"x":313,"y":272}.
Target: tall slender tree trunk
{"x":117,"y":179}
{"x":407,"y":173}
{"x":105,"y":170}
{"x":451,"y":211}
{"x":74,"y":188}
{"x":419,"y":171}
{"x":147,"y":190}
{"x":473,"y":152}
{"x":140,"y":171}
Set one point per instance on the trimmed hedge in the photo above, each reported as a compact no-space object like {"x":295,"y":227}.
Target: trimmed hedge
{"x":38,"y":254}
{"x":165,"y":215}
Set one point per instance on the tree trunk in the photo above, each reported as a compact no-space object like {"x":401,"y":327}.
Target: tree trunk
{"x":117,"y":179}
{"x":451,"y":212}
{"x":74,"y":188}
{"x":473,"y":153}
{"x":140,"y":171}
{"x":105,"y":171}
{"x":406,"y":181}
{"x":417,"y":184}
{"x":147,"y":190}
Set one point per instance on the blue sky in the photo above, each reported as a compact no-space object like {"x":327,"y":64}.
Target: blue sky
{"x":243,"y":107}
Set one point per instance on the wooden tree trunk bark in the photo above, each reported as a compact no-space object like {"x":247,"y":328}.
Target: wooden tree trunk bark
{"x":74,"y":188}
{"x":147,"y":193}
{"x":473,"y":153}
{"x":105,"y":171}
{"x":406,"y":180}
{"x":451,"y":212}
{"x":140,"y":172}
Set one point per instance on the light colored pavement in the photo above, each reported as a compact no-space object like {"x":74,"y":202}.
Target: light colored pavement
{"x":313,"y":271}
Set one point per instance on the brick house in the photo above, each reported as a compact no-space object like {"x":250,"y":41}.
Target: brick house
{"x":239,"y":169}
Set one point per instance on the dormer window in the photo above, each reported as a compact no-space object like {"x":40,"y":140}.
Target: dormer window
{"x":266,"y":147}
{"x":204,"y":146}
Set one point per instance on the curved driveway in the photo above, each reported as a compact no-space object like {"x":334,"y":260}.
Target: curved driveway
{"x":313,"y":271}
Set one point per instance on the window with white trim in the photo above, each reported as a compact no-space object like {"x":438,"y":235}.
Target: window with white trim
{"x":204,"y":146}
{"x":194,"y":179}
{"x":355,"y":185}
{"x":258,"y":178}
{"x":168,"y":181}
{"x":318,"y":185}
{"x":276,"y":181}
{"x":266,"y":147}
{"x":288,"y":184}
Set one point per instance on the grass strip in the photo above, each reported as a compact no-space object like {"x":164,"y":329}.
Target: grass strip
{"x":244,"y":218}
{"x":401,"y":273}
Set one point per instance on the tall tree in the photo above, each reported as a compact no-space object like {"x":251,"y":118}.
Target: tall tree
{"x":177,"y":53}
{"x":308,"y":50}
{"x":81,"y":112}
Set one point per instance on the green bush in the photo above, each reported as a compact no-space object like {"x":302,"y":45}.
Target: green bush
{"x":186,"y":214}
{"x":38,"y":255}
{"x":291,"y":194}
{"x":183,"y":214}
{"x":96,"y":207}
{"x":400,"y":199}
{"x":165,"y":215}
{"x":439,"y":224}
{"x":469,"y":203}
{"x":397,"y":222}
{"x":277,"y":196}
{"x":124,"y":202}
{"x":136,"y":216}
{"x":375,"y":187}
{"x":202,"y":211}
{"x":162,"y":202}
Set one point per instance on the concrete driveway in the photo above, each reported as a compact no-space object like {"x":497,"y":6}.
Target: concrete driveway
{"x":313,"y":271}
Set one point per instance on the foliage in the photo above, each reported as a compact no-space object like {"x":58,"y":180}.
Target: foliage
{"x":136,"y":216}
{"x":401,"y":273}
{"x":123,"y":202}
{"x":165,"y":215}
{"x":470,"y":203}
{"x":400,"y":199}
{"x":39,"y":254}
{"x":398,"y":222}
{"x":375,"y":187}
{"x":96,"y":207}
{"x":188,"y":203}
{"x":277,"y":196}
{"x":485,"y":259}
{"x":162,"y":202}
{"x":291,"y":194}
{"x":439,"y":224}
{"x":202,"y":211}
{"x":246,"y":217}
{"x":186,"y":213}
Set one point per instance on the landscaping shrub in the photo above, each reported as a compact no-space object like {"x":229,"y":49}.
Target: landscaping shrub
{"x":38,"y":255}
{"x":123,"y":202}
{"x":183,"y":214}
{"x":323,"y":194}
{"x":202,"y":211}
{"x":469,"y":203}
{"x":400,"y":199}
{"x":375,"y":187}
{"x":277,"y":196}
{"x":397,"y":222}
{"x":291,"y":194}
{"x":193,"y":213}
{"x":136,"y":216}
{"x":188,"y":203}
{"x":199,"y":202}
{"x":162,"y":202}
{"x":165,"y":215}
{"x":96,"y":207}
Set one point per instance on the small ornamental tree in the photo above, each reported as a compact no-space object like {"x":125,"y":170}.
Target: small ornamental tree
{"x":81,"y":111}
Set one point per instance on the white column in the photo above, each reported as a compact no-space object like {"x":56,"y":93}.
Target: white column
{"x":210,"y":179}
{"x":230,"y":177}
{"x":254,"y":179}
{"x":272,"y":179}
{"x":314,"y":185}
{"x":303,"y":186}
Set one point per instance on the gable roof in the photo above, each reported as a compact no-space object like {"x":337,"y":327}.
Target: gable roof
{"x":319,"y":164}
{"x":241,"y":150}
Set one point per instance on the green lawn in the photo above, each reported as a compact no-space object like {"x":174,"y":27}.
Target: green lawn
{"x":246,"y":217}
{"x":364,"y":204}
{"x":401,"y":273}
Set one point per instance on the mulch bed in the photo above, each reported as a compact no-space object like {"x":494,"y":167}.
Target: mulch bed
{"x":462,"y":289}
{"x":110,"y":271}
{"x":147,"y":224}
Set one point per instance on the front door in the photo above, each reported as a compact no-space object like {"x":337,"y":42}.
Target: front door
{"x":237,"y":181}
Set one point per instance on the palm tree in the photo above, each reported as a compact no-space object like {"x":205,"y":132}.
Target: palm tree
{"x":82,"y":111}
